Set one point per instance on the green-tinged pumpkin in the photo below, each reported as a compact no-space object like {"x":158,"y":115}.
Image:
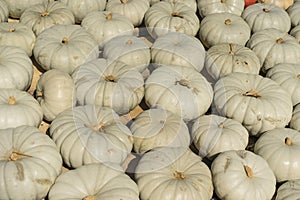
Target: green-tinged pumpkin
{"x":17,"y":7}
{"x":296,"y":32}
{"x":293,"y":12}
{"x":295,"y":121}
{"x":289,"y":190}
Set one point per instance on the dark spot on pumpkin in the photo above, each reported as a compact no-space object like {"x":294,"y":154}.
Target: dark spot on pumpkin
{"x":228,"y":161}
{"x":75,"y":57}
{"x":43,"y":181}
{"x":20,"y":171}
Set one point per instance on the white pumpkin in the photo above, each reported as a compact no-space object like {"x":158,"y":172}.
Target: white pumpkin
{"x":173,"y":173}
{"x":113,"y":85}
{"x":295,"y":32}
{"x":293,"y":12}
{"x":260,"y":16}
{"x":190,"y":3}
{"x":259,"y":103}
{"x":285,"y":4}
{"x":3,"y":11}
{"x":17,"y":7}
{"x":248,"y":176}
{"x":176,"y":48}
{"x":295,"y":121}
{"x":289,"y":190}
{"x":180,"y":90}
{"x":225,"y":58}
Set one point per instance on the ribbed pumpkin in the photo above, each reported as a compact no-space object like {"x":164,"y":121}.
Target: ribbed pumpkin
{"x":295,"y":121}
{"x":289,"y":190}
{"x":16,"y":7}
{"x":3,"y":11}
{"x":293,"y":12}
{"x":296,"y":32}
{"x":285,"y":4}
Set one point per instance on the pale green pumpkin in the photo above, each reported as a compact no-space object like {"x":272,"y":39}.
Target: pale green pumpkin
{"x":3,"y":11}
{"x":17,"y":7}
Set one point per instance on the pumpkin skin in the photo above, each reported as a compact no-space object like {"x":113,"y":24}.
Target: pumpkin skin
{"x":190,"y":3}
{"x":293,"y":12}
{"x":280,"y":148}
{"x":55,"y":91}
{"x":105,"y":25}
{"x":164,"y":17}
{"x":206,"y":7}
{"x":295,"y":32}
{"x":3,"y":11}
{"x":289,"y":190}
{"x":261,"y":16}
{"x":220,"y":28}
{"x":225,"y":58}
{"x":18,"y":108}
{"x":29,"y":163}
{"x":173,"y":173}
{"x":16,"y":7}
{"x":178,"y":49}
{"x":180,"y":90}
{"x":288,"y":76}
{"x":64,"y":47}
{"x":16,"y":68}
{"x":42,"y":16}
{"x":83,"y":183}
{"x":285,"y":4}
{"x":18,"y":35}
{"x":91,"y":134}
{"x":213,"y":134}
{"x":110,"y":85}
{"x":259,"y":103}
{"x":249,"y":175}
{"x":295,"y":121}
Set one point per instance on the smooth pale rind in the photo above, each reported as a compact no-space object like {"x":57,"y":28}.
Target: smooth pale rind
{"x":285,"y":4}
{"x":295,"y":32}
{"x":17,"y":7}
{"x":289,"y":190}
{"x":293,"y":12}
{"x":295,"y":121}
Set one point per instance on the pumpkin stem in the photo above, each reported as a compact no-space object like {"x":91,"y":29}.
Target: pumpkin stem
{"x":11,"y":30}
{"x":288,"y":141}
{"x":129,"y":42}
{"x":44,"y":14}
{"x":179,"y":175}
{"x":251,"y":93}
{"x":227,"y":21}
{"x":123,"y":1}
{"x":223,"y":1}
{"x":248,"y":171}
{"x":266,"y":10}
{"x":176,"y":14}
{"x":14,"y":156}
{"x":231,"y":52}
{"x":221,"y":125}
{"x":279,"y":41}
{"x":110,"y":78}
{"x":65,"y":40}
{"x":39,"y":94}
{"x":90,"y":197}
{"x":12,"y":100}
{"x":298,"y":76}
{"x":108,"y":16}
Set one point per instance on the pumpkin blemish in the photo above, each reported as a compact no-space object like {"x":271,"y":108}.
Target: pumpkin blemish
{"x":20,"y":173}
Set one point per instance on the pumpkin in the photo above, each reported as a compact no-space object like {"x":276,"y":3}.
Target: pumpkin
{"x":91,"y":134}
{"x":280,"y":148}
{"x":288,"y":76}
{"x":164,"y":17}
{"x":128,"y":49}
{"x":55,"y":91}
{"x":293,"y":12}
{"x":16,"y":7}
{"x":206,"y":7}
{"x":134,"y":10}
{"x":289,"y":190}
{"x":83,"y":183}
{"x":259,"y":103}
{"x":16,"y":68}
{"x":225,"y":58}
{"x":295,"y":32}
{"x":190,"y":3}
{"x":223,"y":28}
{"x":17,"y":34}
{"x":81,"y":8}
{"x":113,"y":85}
{"x":285,"y":4}
{"x":64,"y":47}
{"x":249,"y":2}
{"x":213,"y":134}
{"x":18,"y":108}
{"x":249,"y":175}
{"x":157,"y":127}
{"x":271,"y":47}
{"x":176,"y":48}
{"x":295,"y":121}
{"x":173,"y":173}
{"x":105,"y":25}
{"x":29,"y":163}
{"x":180,"y":90}
{"x":262,"y":16}
{"x":3,"y":11}
{"x":42,"y":16}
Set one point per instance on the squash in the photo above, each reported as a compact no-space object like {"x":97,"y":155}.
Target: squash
{"x":29,"y":163}
{"x":285,"y":4}
{"x":295,"y":32}
{"x":64,"y":47}
{"x":18,"y":35}
{"x":180,"y":90}
{"x":173,"y":173}
{"x":249,"y":2}
{"x":289,"y":190}
{"x":16,"y":7}
{"x":113,"y":85}
{"x":295,"y":121}
{"x":190,"y":3}
{"x":42,"y":16}
{"x":223,"y":28}
{"x":164,"y":17}
{"x":16,"y":68}
{"x":249,"y":175}
{"x":259,"y":103}
{"x":94,"y":181}
{"x":225,"y":58}
{"x":91,"y":134}
{"x":3,"y":11}
{"x":262,"y":16}
{"x":213,"y":134}
{"x":293,"y":12}
{"x":176,"y":48}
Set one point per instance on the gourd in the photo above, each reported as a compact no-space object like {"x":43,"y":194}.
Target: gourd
{"x":249,"y":175}
{"x":91,"y":134}
{"x":55,"y":91}
{"x":225,"y":58}
{"x":180,"y":90}
{"x":64,"y":47}
{"x":295,"y":121}
{"x":16,"y":7}
{"x":295,"y":32}
{"x":285,"y":4}
{"x":42,"y":16}
{"x":293,"y":12}
{"x":213,"y":134}
{"x":259,"y":103}
{"x":173,"y":173}
{"x":18,"y":108}
{"x":106,"y":84}
{"x":16,"y":68}
{"x":157,"y":127}
{"x":289,"y":190}
{"x":223,"y":28}
{"x":3,"y":11}
{"x":262,"y":16}
{"x":29,"y":163}
{"x":176,"y":48}
{"x":280,"y":148}
{"x":94,"y":181}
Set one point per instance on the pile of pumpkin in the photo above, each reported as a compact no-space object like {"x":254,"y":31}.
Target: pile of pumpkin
{"x":149,"y":99}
